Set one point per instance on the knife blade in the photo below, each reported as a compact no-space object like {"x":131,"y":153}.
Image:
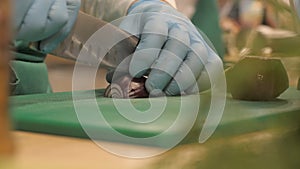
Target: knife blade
{"x":85,"y":27}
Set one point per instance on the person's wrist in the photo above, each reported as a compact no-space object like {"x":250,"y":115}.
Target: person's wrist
{"x":171,"y":3}
{"x":138,"y":2}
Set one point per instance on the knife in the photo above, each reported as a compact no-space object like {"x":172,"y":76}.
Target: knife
{"x":85,"y":27}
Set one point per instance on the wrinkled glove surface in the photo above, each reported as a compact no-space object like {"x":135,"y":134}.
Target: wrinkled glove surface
{"x":47,"y":22}
{"x":171,"y":51}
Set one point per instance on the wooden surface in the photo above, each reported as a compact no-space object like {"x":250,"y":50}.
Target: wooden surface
{"x":274,"y":148}
{"x":5,"y":142}
{"x":52,"y":152}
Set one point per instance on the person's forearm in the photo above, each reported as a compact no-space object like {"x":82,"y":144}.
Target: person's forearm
{"x":107,"y":10}
{"x":171,"y":2}
{"x":187,"y":7}
{"x":110,"y":10}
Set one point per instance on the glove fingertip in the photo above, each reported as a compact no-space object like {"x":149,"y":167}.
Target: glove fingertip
{"x":150,"y":86}
{"x":153,"y":90}
{"x":173,"y":89}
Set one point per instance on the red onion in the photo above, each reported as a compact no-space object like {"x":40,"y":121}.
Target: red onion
{"x":127,"y":87}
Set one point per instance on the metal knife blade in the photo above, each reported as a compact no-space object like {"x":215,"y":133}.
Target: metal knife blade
{"x":85,"y":26}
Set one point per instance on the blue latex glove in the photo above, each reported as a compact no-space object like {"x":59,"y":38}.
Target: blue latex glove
{"x":45,"y":21}
{"x":171,"y":49}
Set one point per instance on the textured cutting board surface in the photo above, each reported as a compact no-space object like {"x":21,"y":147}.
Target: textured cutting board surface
{"x":55,"y":114}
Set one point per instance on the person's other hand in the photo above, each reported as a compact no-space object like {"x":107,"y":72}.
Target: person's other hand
{"x":171,"y":51}
{"x":45,"y":21}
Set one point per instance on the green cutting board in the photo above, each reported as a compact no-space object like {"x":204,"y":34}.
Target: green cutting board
{"x":55,"y":114}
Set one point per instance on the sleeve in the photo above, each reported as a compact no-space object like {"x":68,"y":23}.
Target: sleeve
{"x":109,"y":10}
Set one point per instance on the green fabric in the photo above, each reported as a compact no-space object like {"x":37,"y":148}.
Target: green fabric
{"x":30,"y":73}
{"x":26,"y":52}
{"x":28,"y":70}
{"x":31,"y":78}
{"x":207,"y":19}
{"x":54,"y":113}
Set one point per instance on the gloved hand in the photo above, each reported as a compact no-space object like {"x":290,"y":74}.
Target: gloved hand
{"x":45,"y":21}
{"x":171,"y":49}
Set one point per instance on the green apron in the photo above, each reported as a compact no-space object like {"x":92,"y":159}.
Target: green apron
{"x":28,"y":71}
